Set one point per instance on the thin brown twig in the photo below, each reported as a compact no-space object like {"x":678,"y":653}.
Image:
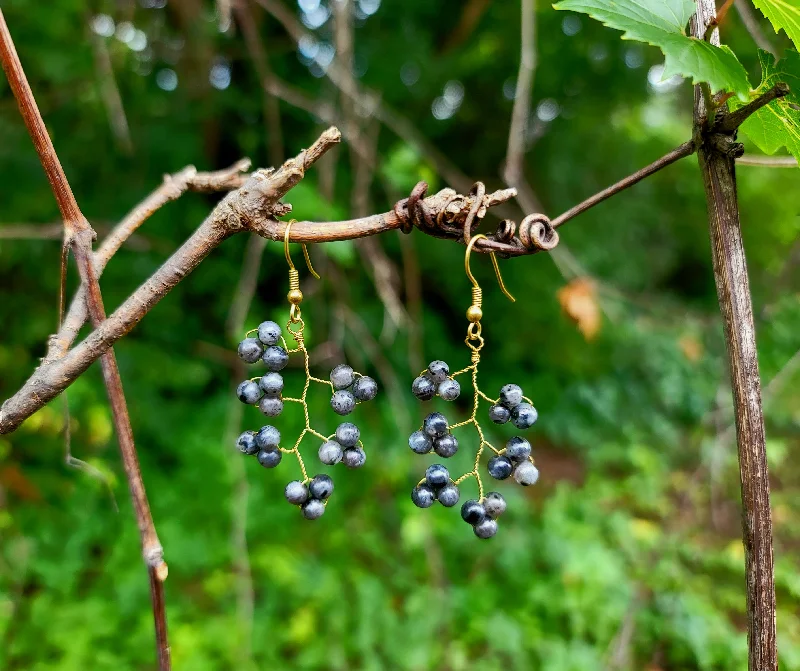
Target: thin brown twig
{"x":79,"y":235}
{"x":732,"y":120}
{"x":682,"y":151}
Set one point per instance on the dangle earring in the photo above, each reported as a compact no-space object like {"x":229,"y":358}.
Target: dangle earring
{"x":348,"y":388}
{"x":436,"y":435}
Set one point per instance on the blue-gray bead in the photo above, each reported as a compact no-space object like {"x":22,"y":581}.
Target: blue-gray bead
{"x":271,"y":407}
{"x":269,"y":332}
{"x":354,"y":457}
{"x":271,"y":384}
{"x":448,"y":496}
{"x":320,"y":487}
{"x":296,"y":492}
{"x":247,"y":443}
{"x":518,"y":449}
{"x":435,"y":425}
{"x":420,"y":442}
{"x":275,"y":358}
{"x":249,"y":392}
{"x":494,"y":504}
{"x":250,"y":350}
{"x":438,"y":371}
{"x":499,"y":414}
{"x":437,"y":476}
{"x":269,"y":458}
{"x":524,"y":416}
{"x":449,"y":390}
{"x":343,"y":402}
{"x":365,"y":388}
{"x":473,"y":512}
{"x":313,"y":509}
{"x":500,"y":467}
{"x":423,"y":496}
{"x":526,"y":474}
{"x":423,"y":388}
{"x":342,"y":376}
{"x":511,"y":395}
{"x":347,"y":434}
{"x":446,"y":446}
{"x":268,"y":438}
{"x":330,"y":453}
{"x":486,"y":529}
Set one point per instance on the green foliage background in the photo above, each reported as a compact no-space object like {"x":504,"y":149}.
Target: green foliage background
{"x":627,"y":555}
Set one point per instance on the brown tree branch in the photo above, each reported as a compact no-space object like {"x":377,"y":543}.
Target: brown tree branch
{"x":732,"y":120}
{"x":171,"y":189}
{"x":79,"y":235}
{"x":733,"y":290}
{"x":252,"y":207}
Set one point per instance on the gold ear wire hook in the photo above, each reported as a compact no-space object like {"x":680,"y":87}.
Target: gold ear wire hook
{"x":305,"y":251}
{"x":471,"y":277}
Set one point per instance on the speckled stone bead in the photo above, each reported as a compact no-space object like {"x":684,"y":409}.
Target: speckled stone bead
{"x":342,"y":376}
{"x":249,"y":392}
{"x":269,"y":458}
{"x":313,"y":509}
{"x":320,"y":487}
{"x":526,"y":474}
{"x":499,"y":414}
{"x":524,"y":416}
{"x":500,"y":467}
{"x":330,"y":453}
{"x":296,"y":492}
{"x":494,"y":504}
{"x":250,"y":350}
{"x":343,"y":402}
{"x":423,"y":496}
{"x":420,"y":442}
{"x":354,"y":457}
{"x":486,"y":529}
{"x":473,"y":512}
{"x":247,"y":443}
{"x":446,"y":446}
{"x":437,"y":476}
{"x":271,"y":384}
{"x":365,"y":388}
{"x":448,"y":496}
{"x":449,"y":390}
{"x":269,"y":332}
{"x":518,"y":449}
{"x":423,"y":388}
{"x":275,"y":358}
{"x":268,"y":438}
{"x":347,"y":434}
{"x":511,"y":395}
{"x":438,"y":371}
{"x":435,"y":425}
{"x":271,"y":407}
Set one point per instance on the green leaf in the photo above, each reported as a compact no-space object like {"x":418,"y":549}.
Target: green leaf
{"x":778,"y":124}
{"x":662,"y":23}
{"x":783,"y":14}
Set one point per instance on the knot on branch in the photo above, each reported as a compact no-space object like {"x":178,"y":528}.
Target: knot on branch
{"x":448,"y":214}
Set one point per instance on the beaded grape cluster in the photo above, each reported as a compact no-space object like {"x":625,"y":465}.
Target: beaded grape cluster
{"x":436,"y":434}
{"x":348,"y":388}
